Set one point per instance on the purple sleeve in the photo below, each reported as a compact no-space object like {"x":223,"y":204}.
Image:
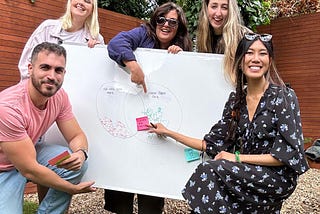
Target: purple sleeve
{"x":121,"y":46}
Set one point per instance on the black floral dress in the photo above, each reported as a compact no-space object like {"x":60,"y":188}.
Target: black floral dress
{"x":223,"y":186}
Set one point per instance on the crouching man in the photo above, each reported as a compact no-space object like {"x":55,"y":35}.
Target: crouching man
{"x":27,"y":110}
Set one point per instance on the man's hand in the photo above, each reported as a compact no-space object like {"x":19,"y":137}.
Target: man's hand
{"x":74,"y":162}
{"x":83,"y":187}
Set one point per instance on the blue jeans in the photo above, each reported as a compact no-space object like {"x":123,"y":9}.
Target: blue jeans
{"x":12,"y":184}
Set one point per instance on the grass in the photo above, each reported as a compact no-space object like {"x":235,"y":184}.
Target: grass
{"x":30,"y":207}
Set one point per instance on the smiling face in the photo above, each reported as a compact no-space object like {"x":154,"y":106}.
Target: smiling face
{"x":218,"y":14}
{"x":81,"y":8}
{"x":256,"y":61}
{"x":165,"y":33}
{"x":47,"y":73}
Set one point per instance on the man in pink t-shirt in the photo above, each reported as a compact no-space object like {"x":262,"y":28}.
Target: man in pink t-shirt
{"x":27,"y":110}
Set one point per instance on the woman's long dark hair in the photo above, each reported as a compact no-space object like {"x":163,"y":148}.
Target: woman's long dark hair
{"x":271,"y":76}
{"x":182,"y":38}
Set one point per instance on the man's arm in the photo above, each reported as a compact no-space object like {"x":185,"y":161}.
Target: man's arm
{"x":77,"y":141}
{"x":23,"y":156}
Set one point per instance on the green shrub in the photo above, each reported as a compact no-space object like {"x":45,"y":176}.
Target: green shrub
{"x":308,"y":140}
{"x":30,"y":207}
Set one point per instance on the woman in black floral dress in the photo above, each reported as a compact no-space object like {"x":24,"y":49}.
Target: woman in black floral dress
{"x":256,"y":149}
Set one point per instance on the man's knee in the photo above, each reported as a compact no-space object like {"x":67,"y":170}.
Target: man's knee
{"x":75,"y":176}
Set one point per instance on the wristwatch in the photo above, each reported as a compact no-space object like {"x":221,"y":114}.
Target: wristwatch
{"x":85,"y":152}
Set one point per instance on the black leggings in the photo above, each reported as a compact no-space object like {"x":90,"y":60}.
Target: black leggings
{"x":122,"y":203}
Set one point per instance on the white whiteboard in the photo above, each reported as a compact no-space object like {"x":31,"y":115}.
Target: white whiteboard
{"x":186,"y":92}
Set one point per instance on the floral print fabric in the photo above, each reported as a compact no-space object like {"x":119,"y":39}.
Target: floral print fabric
{"x":223,"y":186}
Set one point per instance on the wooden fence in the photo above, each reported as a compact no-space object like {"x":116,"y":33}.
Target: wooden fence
{"x":296,"y":42}
{"x":297,"y":54}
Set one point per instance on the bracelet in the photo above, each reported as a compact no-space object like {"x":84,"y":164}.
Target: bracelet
{"x":202,"y":152}
{"x":84,"y":152}
{"x":202,"y":145}
{"x":237,"y":154}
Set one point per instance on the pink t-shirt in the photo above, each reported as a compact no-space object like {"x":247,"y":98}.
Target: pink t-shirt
{"x":19,"y":118}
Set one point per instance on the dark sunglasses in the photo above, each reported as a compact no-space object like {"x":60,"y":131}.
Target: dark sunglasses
{"x":171,"y":22}
{"x":262,"y":37}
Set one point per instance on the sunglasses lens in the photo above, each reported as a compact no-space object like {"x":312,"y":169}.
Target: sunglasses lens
{"x":172,"y":22}
{"x":265,"y":37}
{"x":250,"y":36}
{"x":161,"y":20}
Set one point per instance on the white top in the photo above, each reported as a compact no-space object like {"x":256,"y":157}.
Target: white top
{"x":50,"y":30}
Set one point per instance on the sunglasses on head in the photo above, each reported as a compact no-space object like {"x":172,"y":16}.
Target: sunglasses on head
{"x":262,"y":37}
{"x":171,"y":22}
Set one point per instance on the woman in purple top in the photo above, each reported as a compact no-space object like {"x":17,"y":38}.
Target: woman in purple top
{"x":167,"y":29}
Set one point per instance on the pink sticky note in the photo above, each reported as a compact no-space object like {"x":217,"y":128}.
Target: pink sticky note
{"x":142,"y":123}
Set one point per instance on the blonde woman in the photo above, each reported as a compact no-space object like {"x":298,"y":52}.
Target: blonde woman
{"x":79,"y":24}
{"x":220,"y":29}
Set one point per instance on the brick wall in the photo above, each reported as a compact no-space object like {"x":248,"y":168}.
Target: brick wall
{"x":297,"y":54}
{"x":19,"y":18}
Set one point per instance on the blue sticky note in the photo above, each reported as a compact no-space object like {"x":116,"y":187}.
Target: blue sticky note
{"x":191,"y":154}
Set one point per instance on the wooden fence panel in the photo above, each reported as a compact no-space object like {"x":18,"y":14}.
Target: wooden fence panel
{"x":297,"y":53}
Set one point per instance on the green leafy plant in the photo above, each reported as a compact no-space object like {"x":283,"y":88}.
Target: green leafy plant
{"x":136,"y":8}
{"x":30,"y":207}
{"x":308,"y":140}
{"x":192,"y":9}
{"x":255,"y":12}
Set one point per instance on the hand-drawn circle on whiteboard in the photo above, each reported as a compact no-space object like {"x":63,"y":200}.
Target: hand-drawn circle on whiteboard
{"x":159,"y":104}
{"x":111,"y":101}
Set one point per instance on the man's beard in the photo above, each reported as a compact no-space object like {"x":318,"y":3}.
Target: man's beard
{"x":50,"y":90}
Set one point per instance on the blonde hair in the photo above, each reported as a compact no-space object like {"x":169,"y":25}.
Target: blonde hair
{"x":91,"y":23}
{"x":232,"y":32}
